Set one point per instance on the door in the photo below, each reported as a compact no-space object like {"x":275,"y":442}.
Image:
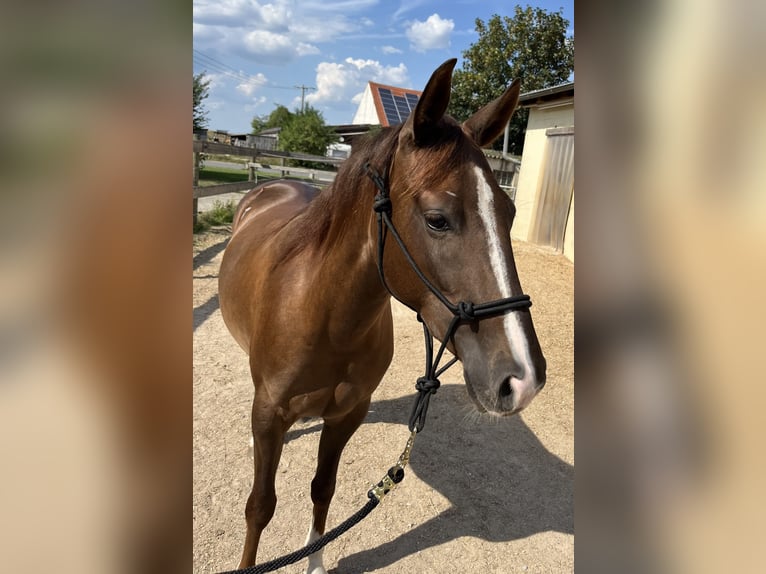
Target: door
{"x":556,"y":189}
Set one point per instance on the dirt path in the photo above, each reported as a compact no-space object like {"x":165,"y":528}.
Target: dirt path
{"x":481,"y":495}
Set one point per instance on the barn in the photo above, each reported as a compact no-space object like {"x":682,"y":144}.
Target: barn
{"x":545,"y":190}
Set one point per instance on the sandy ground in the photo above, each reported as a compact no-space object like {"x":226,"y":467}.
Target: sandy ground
{"x":481,"y":495}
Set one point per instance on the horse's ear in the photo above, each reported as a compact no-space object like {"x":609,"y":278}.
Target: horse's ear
{"x":432,"y":104}
{"x":484,"y":126}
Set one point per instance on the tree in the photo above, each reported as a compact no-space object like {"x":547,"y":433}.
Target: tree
{"x":201,"y":91}
{"x":306,"y":132}
{"x":532,"y":45}
{"x":258,"y":123}
{"x":278,"y":118}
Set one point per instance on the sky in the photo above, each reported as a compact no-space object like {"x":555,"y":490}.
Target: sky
{"x":257,"y":54}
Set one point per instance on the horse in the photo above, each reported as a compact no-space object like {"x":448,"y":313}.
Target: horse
{"x":305,"y":287}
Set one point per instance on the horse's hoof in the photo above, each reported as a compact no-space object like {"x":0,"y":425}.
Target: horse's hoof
{"x":316,"y":570}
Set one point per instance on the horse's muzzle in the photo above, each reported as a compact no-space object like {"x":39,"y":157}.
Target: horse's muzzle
{"x":506,"y":391}
{"x":515,"y":393}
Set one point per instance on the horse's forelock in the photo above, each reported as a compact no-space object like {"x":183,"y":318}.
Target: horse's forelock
{"x":432,"y":162}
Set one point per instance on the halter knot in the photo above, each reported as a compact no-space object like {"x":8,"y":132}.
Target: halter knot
{"x":382,"y":204}
{"x":465,"y":310}
{"x":427,"y":385}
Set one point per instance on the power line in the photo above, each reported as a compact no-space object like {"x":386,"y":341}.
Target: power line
{"x":205,"y":61}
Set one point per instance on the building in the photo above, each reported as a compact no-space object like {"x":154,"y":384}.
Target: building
{"x":506,"y":170}
{"x":385,"y":105}
{"x":545,"y":190}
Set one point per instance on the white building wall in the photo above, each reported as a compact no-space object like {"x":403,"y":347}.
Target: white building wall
{"x":531,"y":167}
{"x":366,"y":112}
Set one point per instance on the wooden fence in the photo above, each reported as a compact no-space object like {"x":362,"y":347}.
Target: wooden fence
{"x":204,"y":147}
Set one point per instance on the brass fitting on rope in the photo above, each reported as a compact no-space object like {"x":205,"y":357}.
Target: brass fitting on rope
{"x":395,"y":474}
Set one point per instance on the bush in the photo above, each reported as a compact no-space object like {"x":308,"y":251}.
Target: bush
{"x":222,"y":213}
{"x":200,"y":226}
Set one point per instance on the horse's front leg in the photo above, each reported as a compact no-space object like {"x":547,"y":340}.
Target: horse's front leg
{"x":335,"y":435}
{"x":268,"y":437}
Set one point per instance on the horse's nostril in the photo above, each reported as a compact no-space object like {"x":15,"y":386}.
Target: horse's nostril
{"x":505,"y":389}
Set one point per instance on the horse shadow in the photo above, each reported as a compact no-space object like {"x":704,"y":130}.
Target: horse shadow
{"x":517,"y":487}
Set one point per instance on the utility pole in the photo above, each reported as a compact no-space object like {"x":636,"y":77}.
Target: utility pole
{"x":303,"y":89}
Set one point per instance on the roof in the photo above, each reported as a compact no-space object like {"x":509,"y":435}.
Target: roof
{"x":496,"y":154}
{"x":543,"y":95}
{"x":269,"y":132}
{"x":393,"y":105}
{"x":347,"y":132}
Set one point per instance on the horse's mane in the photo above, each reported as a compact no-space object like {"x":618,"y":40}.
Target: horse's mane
{"x":326,"y":218}
{"x":350,"y":191}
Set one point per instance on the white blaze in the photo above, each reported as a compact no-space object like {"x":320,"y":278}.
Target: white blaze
{"x":513,"y":330}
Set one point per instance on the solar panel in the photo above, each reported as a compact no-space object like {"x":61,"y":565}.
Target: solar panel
{"x":397,"y":105}
{"x":389,"y":107}
{"x":402,"y":107}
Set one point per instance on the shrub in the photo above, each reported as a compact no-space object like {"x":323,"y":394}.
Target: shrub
{"x":222,"y":213}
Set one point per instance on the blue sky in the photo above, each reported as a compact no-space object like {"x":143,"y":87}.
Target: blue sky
{"x":255,"y":53}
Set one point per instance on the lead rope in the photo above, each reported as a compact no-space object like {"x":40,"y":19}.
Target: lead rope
{"x":375,"y":495}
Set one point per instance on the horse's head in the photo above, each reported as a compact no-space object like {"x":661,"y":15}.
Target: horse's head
{"x":456,"y":222}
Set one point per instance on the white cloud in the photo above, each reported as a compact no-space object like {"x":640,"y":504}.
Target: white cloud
{"x":390,"y":50}
{"x":433,"y":34}
{"x":250,"y":86}
{"x":243,"y":13}
{"x":276,"y":15}
{"x":257,"y":103}
{"x":270,"y":46}
{"x":303,"y":49}
{"x":215,"y":81}
{"x":205,"y":33}
{"x":343,"y":82}
{"x":408,"y":6}
{"x":276,"y":31}
{"x":322,"y":28}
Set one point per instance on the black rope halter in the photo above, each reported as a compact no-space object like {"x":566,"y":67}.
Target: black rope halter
{"x":462,"y":312}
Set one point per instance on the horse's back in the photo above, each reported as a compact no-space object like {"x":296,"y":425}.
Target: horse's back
{"x":254,"y":246}
{"x":289,"y":195}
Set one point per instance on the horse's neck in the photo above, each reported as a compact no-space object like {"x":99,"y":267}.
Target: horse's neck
{"x":349,"y":248}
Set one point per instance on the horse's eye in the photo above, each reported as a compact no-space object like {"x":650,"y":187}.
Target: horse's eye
{"x":436,"y":221}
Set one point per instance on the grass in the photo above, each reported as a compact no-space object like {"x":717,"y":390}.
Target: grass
{"x":217,"y":175}
{"x":222,"y":213}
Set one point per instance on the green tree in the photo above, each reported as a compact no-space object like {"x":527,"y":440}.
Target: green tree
{"x":306,"y":132}
{"x":201,"y":91}
{"x":532,"y":45}
{"x":278,"y":118}
{"x":258,"y":123}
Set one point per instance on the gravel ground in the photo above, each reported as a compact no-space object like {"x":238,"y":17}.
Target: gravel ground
{"x":481,"y":495}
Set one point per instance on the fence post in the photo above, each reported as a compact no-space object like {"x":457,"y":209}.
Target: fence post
{"x":195,"y":183}
{"x":251,"y":173}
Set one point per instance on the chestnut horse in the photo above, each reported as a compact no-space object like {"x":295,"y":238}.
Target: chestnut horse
{"x":301,"y":292}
